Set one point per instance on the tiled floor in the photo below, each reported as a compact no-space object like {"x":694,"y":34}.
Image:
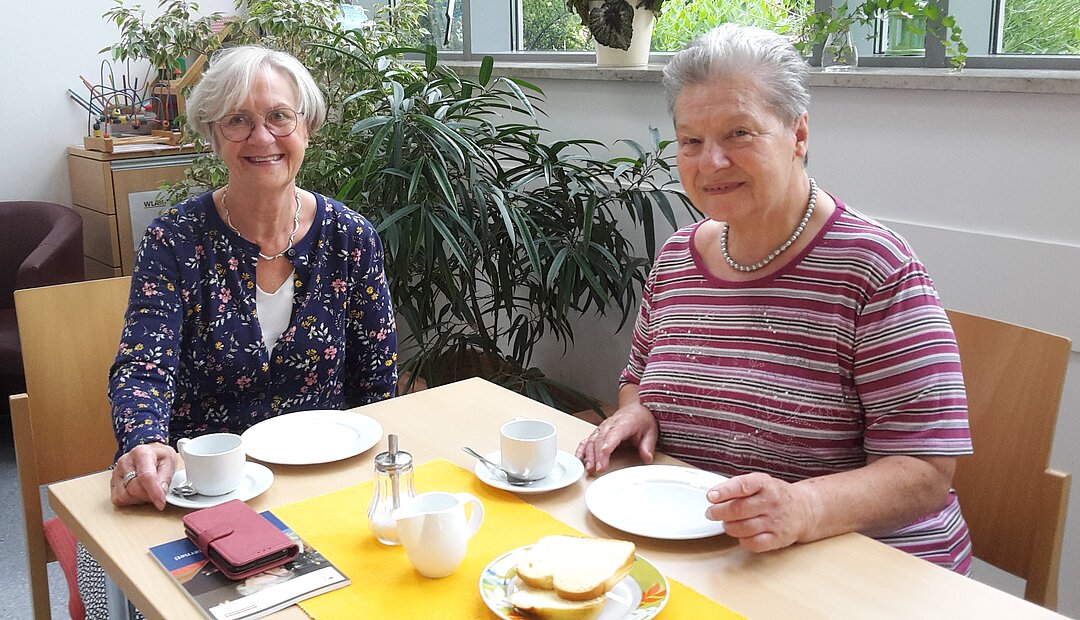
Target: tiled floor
{"x":14,"y":583}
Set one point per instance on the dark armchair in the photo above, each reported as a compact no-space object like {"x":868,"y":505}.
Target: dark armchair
{"x":41,"y":243}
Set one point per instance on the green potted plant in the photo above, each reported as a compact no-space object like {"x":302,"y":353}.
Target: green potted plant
{"x":166,"y":40}
{"x":496,"y":238}
{"x":622,"y":28}
{"x":918,"y":17}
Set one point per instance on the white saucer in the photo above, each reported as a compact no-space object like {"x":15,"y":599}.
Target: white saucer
{"x":568,"y":469}
{"x":257,"y":478}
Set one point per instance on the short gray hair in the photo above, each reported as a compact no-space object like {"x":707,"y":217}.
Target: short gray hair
{"x":229,"y":79}
{"x":731,"y":50}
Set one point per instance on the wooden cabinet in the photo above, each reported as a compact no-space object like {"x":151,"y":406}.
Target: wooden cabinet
{"x":116,"y":195}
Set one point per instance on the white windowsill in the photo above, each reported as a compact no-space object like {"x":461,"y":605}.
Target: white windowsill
{"x":977,"y":80}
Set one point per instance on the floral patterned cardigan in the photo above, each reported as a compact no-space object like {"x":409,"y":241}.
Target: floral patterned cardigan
{"x":192,"y":359}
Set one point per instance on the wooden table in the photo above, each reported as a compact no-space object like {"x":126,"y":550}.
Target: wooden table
{"x":849,"y":576}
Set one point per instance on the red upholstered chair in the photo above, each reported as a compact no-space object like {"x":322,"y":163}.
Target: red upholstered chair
{"x":41,"y":243}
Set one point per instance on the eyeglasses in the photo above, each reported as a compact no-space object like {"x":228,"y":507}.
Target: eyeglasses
{"x":237,"y":127}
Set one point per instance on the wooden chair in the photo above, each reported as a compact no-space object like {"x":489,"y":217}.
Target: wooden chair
{"x":1014,"y":503}
{"x":62,"y":425}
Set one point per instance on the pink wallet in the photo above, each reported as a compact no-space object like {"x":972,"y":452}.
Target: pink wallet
{"x":238,"y":540}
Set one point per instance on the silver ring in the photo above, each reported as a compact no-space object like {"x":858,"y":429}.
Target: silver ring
{"x":128,"y":477}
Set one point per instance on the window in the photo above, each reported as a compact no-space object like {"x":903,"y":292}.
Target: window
{"x":1038,"y":27}
{"x":999,"y":33}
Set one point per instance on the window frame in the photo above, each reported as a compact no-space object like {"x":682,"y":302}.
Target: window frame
{"x":981,"y":55}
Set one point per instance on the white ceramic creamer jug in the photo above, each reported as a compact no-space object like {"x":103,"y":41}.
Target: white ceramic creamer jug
{"x":435,"y":531}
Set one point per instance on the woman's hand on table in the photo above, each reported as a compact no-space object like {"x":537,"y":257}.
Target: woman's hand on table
{"x":763,"y":512}
{"x":631,"y":422}
{"x":154,"y":465}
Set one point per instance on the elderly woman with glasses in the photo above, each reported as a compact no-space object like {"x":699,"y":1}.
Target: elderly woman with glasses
{"x":253,"y":300}
{"x":787,"y":341}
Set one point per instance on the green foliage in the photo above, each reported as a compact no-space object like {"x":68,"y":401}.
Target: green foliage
{"x":495,"y":238}
{"x":683,"y":20}
{"x":432,"y":27}
{"x":546,"y":25}
{"x":1042,"y":27}
{"x":612,"y":23}
{"x":819,"y":25}
{"x":166,"y":39}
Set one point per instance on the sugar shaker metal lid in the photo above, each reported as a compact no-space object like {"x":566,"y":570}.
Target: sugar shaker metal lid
{"x":393,"y":459}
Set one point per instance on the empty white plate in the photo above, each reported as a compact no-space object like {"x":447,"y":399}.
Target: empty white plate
{"x":657,"y":501}
{"x":309,"y":437}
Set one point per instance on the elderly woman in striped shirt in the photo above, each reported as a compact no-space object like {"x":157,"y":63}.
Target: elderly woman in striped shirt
{"x":788,"y":341}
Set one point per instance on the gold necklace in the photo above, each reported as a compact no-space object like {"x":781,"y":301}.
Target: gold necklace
{"x":292,"y":235}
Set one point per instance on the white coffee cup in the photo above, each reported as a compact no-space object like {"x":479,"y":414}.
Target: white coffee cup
{"x":214,"y":463}
{"x":435,"y":531}
{"x":528,"y":448}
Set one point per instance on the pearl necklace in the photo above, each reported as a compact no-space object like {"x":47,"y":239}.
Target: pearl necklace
{"x":292,"y":235}
{"x":783,"y":246}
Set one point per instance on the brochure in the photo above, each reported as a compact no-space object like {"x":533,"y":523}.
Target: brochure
{"x":220,"y":598}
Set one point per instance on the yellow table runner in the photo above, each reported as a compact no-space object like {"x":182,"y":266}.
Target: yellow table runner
{"x":384,"y":583}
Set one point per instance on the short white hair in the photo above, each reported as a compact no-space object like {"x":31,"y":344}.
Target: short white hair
{"x":731,"y":50}
{"x":229,"y":80}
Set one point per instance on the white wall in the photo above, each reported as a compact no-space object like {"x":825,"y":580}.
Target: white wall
{"x":986,"y":187}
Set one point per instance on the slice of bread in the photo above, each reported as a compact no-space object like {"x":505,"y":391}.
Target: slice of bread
{"x":548,"y":605}
{"x":576,"y":568}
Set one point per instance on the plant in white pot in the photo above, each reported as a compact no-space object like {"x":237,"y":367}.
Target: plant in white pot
{"x":622,"y":28}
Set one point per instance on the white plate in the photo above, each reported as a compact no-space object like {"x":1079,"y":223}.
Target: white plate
{"x":658,"y":501}
{"x":309,"y":437}
{"x":257,"y":478}
{"x":568,"y":469}
{"x":639,"y":596}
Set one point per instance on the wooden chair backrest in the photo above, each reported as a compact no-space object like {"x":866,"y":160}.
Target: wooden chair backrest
{"x":1014,"y":503}
{"x":62,"y":425}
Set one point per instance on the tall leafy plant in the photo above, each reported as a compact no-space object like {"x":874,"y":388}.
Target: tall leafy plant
{"x":496,"y":238}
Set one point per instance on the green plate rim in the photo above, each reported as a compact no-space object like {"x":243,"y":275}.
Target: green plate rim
{"x":644,"y":573}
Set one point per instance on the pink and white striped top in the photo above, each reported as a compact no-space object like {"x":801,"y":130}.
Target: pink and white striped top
{"x":844,"y":352}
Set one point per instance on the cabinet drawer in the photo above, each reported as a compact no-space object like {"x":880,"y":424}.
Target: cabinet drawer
{"x":91,"y":184}
{"x":96,"y":271}
{"x":100,"y":240}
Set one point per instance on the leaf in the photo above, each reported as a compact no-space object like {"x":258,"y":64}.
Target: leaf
{"x":513,"y":86}
{"x":590,"y":275}
{"x":369,"y":122}
{"x":590,"y":213}
{"x":396,"y":215}
{"x":555,"y":266}
{"x":485,"y":70}
{"x":612,"y":24}
{"x":431,"y":58}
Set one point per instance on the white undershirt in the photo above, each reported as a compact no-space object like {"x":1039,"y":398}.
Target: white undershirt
{"x":275,"y":311}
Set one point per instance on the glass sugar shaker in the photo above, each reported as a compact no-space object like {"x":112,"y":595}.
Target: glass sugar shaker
{"x":393,"y":489}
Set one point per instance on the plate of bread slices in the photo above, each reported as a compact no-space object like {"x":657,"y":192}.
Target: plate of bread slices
{"x":574,"y":578}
